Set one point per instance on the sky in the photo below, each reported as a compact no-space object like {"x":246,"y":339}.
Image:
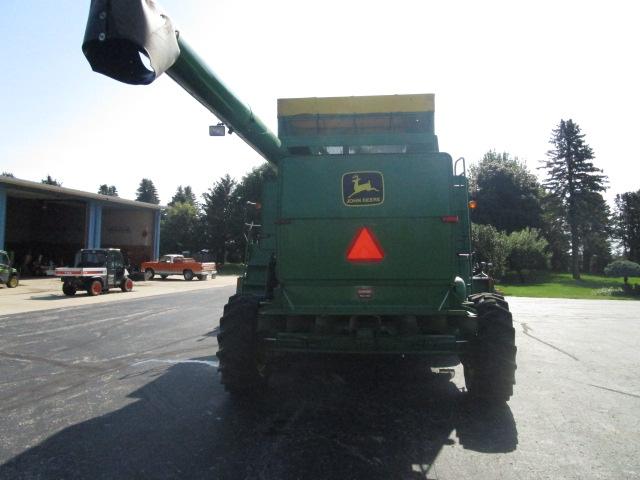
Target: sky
{"x":504,"y":73}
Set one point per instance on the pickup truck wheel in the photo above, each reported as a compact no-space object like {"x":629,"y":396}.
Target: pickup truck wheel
{"x":95,"y":288}
{"x":149,"y":274}
{"x":126,"y":285}
{"x":188,"y":275}
{"x":68,"y":289}
{"x":13,"y":281}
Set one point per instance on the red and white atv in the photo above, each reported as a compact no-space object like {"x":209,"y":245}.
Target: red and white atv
{"x":96,"y":270}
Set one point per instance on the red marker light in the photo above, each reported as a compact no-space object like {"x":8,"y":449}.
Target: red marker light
{"x":450,"y":219}
{"x":365,"y":247}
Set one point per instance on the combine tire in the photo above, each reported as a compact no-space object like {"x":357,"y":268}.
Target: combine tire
{"x":95,"y":288}
{"x":68,"y":289}
{"x":188,"y":275}
{"x":126,"y":285}
{"x":490,"y":364}
{"x":149,"y":274}
{"x":241,"y":371}
{"x":13,"y":281}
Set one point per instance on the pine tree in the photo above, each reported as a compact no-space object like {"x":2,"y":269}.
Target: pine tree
{"x":110,"y":190}
{"x":627,"y":224}
{"x":51,"y":181}
{"x":220,"y":213}
{"x":572,"y":178}
{"x":189,"y":195}
{"x":183,"y":195}
{"x":147,"y":192}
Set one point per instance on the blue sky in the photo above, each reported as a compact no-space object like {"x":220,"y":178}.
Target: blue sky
{"x":504,"y":74}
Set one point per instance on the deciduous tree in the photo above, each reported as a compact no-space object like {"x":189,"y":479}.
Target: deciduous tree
{"x":508,"y":195}
{"x":527,"y":252}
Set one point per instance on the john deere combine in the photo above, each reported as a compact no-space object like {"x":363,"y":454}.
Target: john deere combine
{"x":365,"y":240}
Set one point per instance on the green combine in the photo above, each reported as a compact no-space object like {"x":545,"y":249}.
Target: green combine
{"x":364,"y":247}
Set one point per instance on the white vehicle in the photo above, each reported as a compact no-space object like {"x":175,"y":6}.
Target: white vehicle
{"x":96,"y":270}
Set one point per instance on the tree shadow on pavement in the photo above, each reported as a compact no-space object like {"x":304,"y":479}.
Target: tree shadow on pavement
{"x":314,"y":422}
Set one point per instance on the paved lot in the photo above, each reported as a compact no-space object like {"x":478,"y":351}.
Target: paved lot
{"x":129,"y":390}
{"x":45,"y":293}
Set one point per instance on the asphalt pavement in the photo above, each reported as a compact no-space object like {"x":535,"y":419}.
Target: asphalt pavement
{"x":129,"y":389}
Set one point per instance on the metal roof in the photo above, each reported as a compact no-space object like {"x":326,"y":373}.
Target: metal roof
{"x":26,"y":189}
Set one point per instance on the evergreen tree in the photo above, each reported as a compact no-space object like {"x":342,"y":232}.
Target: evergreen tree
{"x":627,"y":224}
{"x":572,"y":177}
{"x":179,"y":229}
{"x":147,"y":192}
{"x":110,"y":190}
{"x":508,"y":195}
{"x":555,"y":231}
{"x":595,"y":233}
{"x":183,"y":195}
{"x":189,"y":195}
{"x":178,"y":197}
{"x":219,"y":209}
{"x":7,"y":174}
{"x":51,"y":181}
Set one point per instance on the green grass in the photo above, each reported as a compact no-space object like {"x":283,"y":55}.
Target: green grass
{"x":561,"y":285}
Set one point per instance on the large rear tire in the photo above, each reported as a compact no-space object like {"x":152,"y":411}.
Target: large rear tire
{"x":490,"y":364}
{"x":242,"y":371}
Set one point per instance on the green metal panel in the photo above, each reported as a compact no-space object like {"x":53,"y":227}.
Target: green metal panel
{"x":316,"y":228}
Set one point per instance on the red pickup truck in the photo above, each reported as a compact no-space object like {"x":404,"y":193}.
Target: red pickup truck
{"x":178,"y":265}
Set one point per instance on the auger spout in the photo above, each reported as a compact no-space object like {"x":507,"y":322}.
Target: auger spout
{"x":134,"y":42}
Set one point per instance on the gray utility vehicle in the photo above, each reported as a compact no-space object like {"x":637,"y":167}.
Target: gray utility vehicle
{"x":96,"y":270}
{"x":8,"y":275}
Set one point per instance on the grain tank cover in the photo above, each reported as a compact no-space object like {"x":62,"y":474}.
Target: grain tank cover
{"x":327,"y":125}
{"x":119,"y":31}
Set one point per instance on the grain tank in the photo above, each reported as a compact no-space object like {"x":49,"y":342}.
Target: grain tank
{"x":364,"y":247}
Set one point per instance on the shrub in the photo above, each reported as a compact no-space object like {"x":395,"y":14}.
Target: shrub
{"x":490,"y":246}
{"x":527,"y":251}
{"x":622,"y":268}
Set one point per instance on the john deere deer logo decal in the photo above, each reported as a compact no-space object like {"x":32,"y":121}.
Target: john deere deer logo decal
{"x":362,"y":189}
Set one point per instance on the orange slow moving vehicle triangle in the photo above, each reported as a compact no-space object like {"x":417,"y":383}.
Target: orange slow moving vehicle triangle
{"x":365,"y":247}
